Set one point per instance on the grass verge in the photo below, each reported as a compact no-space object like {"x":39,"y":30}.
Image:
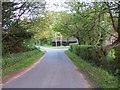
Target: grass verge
{"x":23,"y":60}
{"x":101,"y":77}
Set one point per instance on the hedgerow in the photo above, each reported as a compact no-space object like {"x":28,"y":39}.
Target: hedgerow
{"x":106,"y":58}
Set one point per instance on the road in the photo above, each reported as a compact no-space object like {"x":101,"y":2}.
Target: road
{"x":54,"y":71}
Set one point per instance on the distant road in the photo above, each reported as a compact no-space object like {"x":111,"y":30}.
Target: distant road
{"x":54,"y":71}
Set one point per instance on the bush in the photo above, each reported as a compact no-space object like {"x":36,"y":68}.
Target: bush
{"x":102,"y":78}
{"x":107,"y":58}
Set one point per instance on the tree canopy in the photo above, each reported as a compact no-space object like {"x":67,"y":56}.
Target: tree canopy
{"x":91,"y":23}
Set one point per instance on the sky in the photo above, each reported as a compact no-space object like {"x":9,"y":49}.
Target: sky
{"x":55,"y":5}
{"x":51,"y":4}
{"x":52,"y":7}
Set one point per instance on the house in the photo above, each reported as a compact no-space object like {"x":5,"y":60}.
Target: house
{"x":64,"y":41}
{"x":110,"y":41}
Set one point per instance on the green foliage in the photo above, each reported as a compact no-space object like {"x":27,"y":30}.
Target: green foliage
{"x":17,"y":61}
{"x":16,"y":26}
{"x":99,"y":56}
{"x":12,"y":59}
{"x":10,"y":11}
{"x":76,"y":25}
{"x":14,"y":37}
{"x":7,"y":12}
{"x":29,"y":44}
{"x":111,"y":55}
{"x":101,"y":77}
{"x":90,"y":23}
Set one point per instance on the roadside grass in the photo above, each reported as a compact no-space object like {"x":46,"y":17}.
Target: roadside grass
{"x":15,"y":62}
{"x":101,"y":77}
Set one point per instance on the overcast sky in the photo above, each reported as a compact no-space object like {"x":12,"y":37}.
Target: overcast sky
{"x":52,"y":7}
{"x":55,"y":5}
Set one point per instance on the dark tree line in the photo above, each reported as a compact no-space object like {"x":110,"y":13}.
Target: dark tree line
{"x":14,"y":14}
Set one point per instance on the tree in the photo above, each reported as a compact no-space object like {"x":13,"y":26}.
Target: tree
{"x":14,"y":31}
{"x":90,"y":22}
{"x":114,"y":12}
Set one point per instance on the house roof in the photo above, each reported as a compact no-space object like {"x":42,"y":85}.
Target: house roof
{"x":64,"y":39}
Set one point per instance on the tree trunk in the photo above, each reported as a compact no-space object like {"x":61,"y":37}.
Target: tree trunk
{"x":117,"y":42}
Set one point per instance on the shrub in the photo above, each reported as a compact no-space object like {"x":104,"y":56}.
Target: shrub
{"x":107,"y":58}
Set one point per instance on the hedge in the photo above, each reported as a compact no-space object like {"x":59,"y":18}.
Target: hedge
{"x":106,"y":58}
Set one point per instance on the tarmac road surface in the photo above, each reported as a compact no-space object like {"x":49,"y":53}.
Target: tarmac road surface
{"x":54,"y":71}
